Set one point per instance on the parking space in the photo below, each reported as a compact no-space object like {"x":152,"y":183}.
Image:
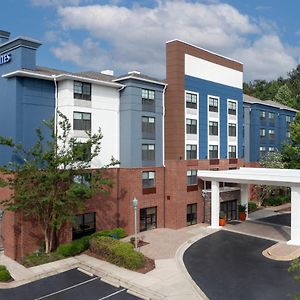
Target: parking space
{"x":280,"y":219}
{"x":71,"y":284}
{"x":227,"y":265}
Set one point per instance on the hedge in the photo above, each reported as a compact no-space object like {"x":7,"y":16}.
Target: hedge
{"x":4,"y":274}
{"x":74,"y":248}
{"x":252,"y":206}
{"x":117,"y":252}
{"x":276,"y":200}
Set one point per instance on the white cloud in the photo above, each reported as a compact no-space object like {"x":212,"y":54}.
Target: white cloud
{"x":137,"y":36}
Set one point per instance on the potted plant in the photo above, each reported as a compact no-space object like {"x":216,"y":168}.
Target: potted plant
{"x":242,"y":212}
{"x":222,"y":218}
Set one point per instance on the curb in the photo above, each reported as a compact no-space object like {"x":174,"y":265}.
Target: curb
{"x":179,"y":261}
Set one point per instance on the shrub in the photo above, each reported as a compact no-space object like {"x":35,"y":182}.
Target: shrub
{"x":276,"y":200}
{"x":117,"y":233}
{"x":252,"y":206}
{"x":117,"y":252}
{"x":4,"y":274}
{"x":74,"y":248}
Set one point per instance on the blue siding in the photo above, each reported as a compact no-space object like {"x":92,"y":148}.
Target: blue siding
{"x":25,"y":102}
{"x":205,"y":88}
{"x":280,"y":128}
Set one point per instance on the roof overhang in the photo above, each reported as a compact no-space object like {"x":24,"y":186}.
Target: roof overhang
{"x":262,"y":176}
{"x":60,"y":77}
{"x":140,"y":79}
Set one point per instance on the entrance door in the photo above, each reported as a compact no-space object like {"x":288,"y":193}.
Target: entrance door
{"x":230,"y":209}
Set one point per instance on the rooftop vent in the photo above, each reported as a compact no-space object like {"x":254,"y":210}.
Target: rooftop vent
{"x":108,"y":72}
{"x":134,"y":72}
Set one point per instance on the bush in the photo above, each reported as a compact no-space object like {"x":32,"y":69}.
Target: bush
{"x":116,"y":252}
{"x":276,"y":200}
{"x":252,"y":206}
{"x":4,"y":274}
{"x":74,"y":248}
{"x":117,"y":233}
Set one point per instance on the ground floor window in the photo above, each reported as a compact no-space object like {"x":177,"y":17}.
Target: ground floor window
{"x":148,"y":218}
{"x":85,"y":224}
{"x":230,"y":209}
{"x":191,"y":214}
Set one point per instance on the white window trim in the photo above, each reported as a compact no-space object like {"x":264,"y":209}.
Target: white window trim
{"x":214,"y":119}
{"x":189,"y":116}
{"x":234,"y":121}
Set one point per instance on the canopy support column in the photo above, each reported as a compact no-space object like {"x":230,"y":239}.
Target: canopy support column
{"x":295,"y":216}
{"x":245,"y":197}
{"x":215,"y":204}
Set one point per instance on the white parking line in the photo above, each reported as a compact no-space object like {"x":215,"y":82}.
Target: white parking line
{"x":68,"y":288}
{"x":115,"y":293}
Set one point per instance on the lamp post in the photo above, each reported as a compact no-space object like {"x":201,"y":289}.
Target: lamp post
{"x":135,"y":203}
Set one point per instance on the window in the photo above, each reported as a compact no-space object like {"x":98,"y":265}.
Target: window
{"x":272,"y":118}
{"x":191,"y":100}
{"x":213,"y":128}
{"x":262,"y":134}
{"x":81,"y":121}
{"x":82,"y":152}
{"x":85,"y":224}
{"x":213,"y":104}
{"x":232,"y":151}
{"x":231,"y":107}
{"x":262,"y":116}
{"x":232,"y":129}
{"x":148,"y":128}
{"x":148,"y":152}
{"x":82,"y":90}
{"x":148,"y":179}
{"x":191,"y":126}
{"x":191,"y":214}
{"x":271,"y":149}
{"x":213,"y":151}
{"x":271,"y":135}
{"x":148,"y":218}
{"x":262,"y":151}
{"x":288,"y":120}
{"x":191,"y":151}
{"x":287,"y":134}
{"x":148,"y":96}
{"x":191,"y":177}
{"x":85,"y":179}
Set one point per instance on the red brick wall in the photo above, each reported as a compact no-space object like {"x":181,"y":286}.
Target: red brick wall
{"x":115,"y":209}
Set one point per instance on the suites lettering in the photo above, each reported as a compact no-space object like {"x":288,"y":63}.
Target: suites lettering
{"x":5,"y":58}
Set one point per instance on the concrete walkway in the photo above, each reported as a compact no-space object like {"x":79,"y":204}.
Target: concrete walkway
{"x":169,"y":280}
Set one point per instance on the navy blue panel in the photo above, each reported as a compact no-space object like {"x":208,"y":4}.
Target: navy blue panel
{"x":205,"y":88}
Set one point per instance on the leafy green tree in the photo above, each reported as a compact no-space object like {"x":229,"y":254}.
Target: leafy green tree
{"x":285,"y":96}
{"x":48,"y":185}
{"x":291,"y":150}
{"x":272,"y":160}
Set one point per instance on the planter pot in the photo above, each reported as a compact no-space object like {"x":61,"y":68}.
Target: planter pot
{"x":222,"y":222}
{"x":242,"y":216}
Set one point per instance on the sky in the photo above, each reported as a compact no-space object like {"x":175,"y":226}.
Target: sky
{"x":126,"y":35}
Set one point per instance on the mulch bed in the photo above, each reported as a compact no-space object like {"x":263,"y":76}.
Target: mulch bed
{"x":147,"y":267}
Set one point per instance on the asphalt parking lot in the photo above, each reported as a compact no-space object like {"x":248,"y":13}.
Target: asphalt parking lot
{"x":71,"y":284}
{"x":227,"y":265}
{"x":281,"y":219}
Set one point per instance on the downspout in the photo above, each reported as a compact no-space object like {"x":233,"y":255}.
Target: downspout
{"x":56,"y":104}
{"x":163,"y":147}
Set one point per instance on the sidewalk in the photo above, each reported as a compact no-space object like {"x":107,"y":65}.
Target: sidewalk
{"x":169,"y":280}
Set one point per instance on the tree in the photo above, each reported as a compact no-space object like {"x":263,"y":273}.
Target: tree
{"x":272,"y":160}
{"x":285,"y":96}
{"x":49,"y":184}
{"x":291,"y":150}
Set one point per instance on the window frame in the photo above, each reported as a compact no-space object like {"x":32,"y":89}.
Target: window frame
{"x":232,"y":154}
{"x":191,"y":177}
{"x":232,"y":129}
{"x":191,"y":100}
{"x":213,"y":151}
{"x":148,"y":179}
{"x":213,"y":129}
{"x":191,"y":214}
{"x":79,"y":90}
{"x":148,"y":128}
{"x":191,"y":128}
{"x":232,"y":107}
{"x":150,"y":156}
{"x":193,"y":150}
{"x":82,"y":124}
{"x":213,"y":104}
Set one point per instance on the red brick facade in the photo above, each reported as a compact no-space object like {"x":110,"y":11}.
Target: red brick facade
{"x":171,"y":197}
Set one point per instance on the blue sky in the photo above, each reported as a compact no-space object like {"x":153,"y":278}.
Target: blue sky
{"x":130,"y":35}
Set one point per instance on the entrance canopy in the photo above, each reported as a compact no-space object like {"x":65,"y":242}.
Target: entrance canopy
{"x":261,"y":176}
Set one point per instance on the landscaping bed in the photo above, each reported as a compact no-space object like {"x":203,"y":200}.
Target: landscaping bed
{"x":4,"y":274}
